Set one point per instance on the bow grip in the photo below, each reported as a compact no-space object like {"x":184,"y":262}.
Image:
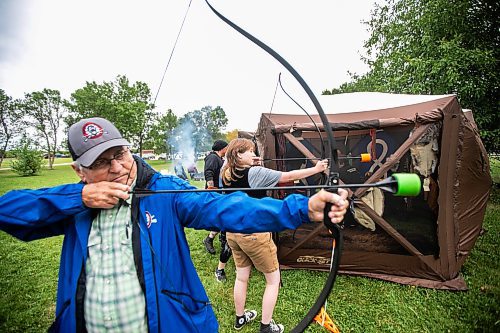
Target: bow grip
{"x":332,"y":227}
{"x":333,"y":179}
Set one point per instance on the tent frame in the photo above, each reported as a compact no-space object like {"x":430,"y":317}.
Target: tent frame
{"x":435,"y":271}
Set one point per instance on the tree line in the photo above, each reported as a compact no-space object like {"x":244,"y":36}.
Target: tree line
{"x":436,"y":47}
{"x":40,"y":117}
{"x":414,"y":47}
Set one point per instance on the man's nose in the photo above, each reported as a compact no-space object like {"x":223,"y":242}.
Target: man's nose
{"x":115,"y":166}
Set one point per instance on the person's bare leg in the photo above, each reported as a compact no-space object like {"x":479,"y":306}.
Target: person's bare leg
{"x":240,"y":289}
{"x":270,"y":295}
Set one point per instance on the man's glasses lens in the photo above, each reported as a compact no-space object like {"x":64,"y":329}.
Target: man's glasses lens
{"x":102,"y":163}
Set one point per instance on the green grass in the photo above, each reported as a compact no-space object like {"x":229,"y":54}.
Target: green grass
{"x":7,"y":161}
{"x":28,"y":281}
{"x":495,"y":169}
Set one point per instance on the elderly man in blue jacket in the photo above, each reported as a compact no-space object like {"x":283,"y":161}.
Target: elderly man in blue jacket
{"x":125,"y":263}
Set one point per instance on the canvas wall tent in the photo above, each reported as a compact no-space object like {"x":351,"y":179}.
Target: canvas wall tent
{"x":420,"y":241}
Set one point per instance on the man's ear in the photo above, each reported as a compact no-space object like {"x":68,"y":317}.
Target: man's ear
{"x":78,"y":171}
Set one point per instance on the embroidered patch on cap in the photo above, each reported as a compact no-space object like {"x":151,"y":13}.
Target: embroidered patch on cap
{"x":91,"y":130}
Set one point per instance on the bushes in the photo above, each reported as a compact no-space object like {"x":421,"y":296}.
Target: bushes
{"x":28,"y":161}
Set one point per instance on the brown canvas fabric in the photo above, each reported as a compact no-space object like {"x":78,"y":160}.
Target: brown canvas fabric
{"x":421,"y":241}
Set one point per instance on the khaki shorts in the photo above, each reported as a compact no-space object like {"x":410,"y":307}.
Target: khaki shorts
{"x":257,"y":249}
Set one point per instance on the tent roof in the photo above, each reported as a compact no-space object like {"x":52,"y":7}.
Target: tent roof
{"x":373,"y":110}
{"x":368,"y":101}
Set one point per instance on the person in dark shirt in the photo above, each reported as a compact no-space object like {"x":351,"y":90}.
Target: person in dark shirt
{"x":213,"y":164}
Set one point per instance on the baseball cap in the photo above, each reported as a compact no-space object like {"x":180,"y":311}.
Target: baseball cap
{"x":89,"y":138}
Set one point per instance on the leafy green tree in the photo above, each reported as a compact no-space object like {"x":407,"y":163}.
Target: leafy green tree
{"x":217,"y":121}
{"x":28,"y":160}
{"x":44,"y":110}
{"x":124,"y":104}
{"x":436,"y":47}
{"x":207,"y":126}
{"x":160,"y":131}
{"x":10,"y":122}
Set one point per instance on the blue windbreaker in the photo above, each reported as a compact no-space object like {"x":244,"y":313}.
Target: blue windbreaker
{"x":175,"y":298}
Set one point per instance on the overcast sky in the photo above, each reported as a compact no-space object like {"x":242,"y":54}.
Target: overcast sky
{"x":61,"y":44}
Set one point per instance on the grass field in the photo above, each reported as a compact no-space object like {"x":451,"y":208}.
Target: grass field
{"x":28,"y":280}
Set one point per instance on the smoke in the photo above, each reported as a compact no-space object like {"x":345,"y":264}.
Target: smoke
{"x":182,"y":143}
{"x":187,"y":140}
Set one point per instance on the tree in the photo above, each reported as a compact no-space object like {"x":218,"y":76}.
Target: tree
{"x":127,"y":106}
{"x":28,"y":160}
{"x":217,"y":121}
{"x":207,"y":125}
{"x":44,"y":110}
{"x":160,"y":131}
{"x":436,"y":47}
{"x":10,"y":122}
{"x":135,"y":112}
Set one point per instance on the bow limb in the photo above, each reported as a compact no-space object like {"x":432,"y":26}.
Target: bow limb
{"x":333,"y":178}
{"x":308,"y":115}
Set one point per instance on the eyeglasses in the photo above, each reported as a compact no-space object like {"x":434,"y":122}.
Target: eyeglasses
{"x":105,"y":163}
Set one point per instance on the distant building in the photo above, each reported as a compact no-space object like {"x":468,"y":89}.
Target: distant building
{"x":149,"y":154}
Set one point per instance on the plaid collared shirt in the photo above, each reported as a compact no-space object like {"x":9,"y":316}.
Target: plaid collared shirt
{"x":114,"y":301}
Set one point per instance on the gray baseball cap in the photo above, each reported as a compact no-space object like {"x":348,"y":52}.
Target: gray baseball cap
{"x":89,"y":138}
